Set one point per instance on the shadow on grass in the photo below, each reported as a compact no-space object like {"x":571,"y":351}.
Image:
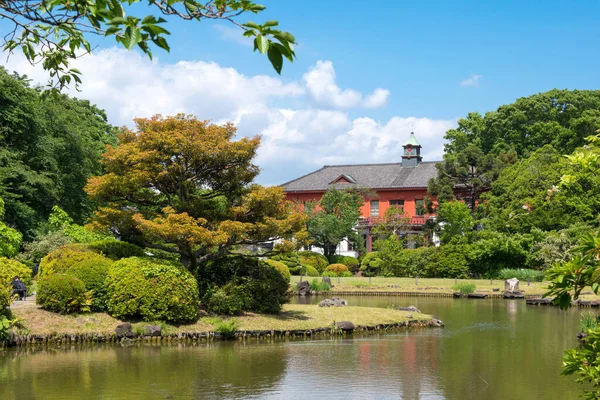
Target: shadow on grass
{"x":291,"y":315}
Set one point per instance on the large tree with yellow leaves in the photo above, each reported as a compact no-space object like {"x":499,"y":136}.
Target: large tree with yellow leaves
{"x":184,"y":186}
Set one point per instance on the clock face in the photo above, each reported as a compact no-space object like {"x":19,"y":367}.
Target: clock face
{"x":409,"y":149}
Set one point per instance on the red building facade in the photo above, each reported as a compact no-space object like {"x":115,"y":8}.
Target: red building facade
{"x":392,"y":184}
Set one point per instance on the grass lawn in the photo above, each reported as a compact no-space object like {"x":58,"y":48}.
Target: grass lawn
{"x":427,"y":285}
{"x":293,"y":316}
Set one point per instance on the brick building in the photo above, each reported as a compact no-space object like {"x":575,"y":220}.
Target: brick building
{"x":403,"y":184}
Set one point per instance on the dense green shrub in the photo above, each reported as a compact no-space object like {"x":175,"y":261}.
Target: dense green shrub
{"x":281,"y":267}
{"x":371,"y":264}
{"x":291,"y":260}
{"x":309,"y":270}
{"x":521,"y":274}
{"x":316,"y":260}
{"x":267,"y":288}
{"x":352,"y":263}
{"x":495,"y":251}
{"x":116,"y":249}
{"x":319,"y":286}
{"x":152,"y":289}
{"x":63,"y":293}
{"x":229,"y":300}
{"x":93,"y":272}
{"x":408,"y":262}
{"x":10,"y":268}
{"x":448,"y":261}
{"x":61,"y":259}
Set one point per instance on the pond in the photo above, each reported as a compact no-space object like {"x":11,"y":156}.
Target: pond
{"x":492,"y":349}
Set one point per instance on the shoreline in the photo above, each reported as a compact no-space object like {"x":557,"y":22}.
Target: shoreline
{"x":294,"y":321}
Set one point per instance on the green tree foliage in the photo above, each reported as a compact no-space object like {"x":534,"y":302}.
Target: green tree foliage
{"x":58,"y":31}
{"x":493,"y":251}
{"x":466,"y":174}
{"x":333,"y":218}
{"x":41,"y":246}
{"x":371,"y":264}
{"x":579,"y":189}
{"x":556,"y":247}
{"x":10,"y":239}
{"x":59,"y":220}
{"x":521,"y":198}
{"x":456,"y":220}
{"x":10,"y":268}
{"x":63,"y":293}
{"x":561,"y":118}
{"x":48,"y":150}
{"x":316,"y":260}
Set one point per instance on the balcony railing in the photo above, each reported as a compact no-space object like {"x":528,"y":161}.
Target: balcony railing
{"x":370,"y":221}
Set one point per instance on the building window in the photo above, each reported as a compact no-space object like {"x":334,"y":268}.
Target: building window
{"x":397,"y":203}
{"x":374,"y":208}
{"x":350,"y":246}
{"x":420,"y":207}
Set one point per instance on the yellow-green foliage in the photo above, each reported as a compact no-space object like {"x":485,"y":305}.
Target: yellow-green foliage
{"x":151,"y":289}
{"x":281,"y":267}
{"x":316,"y":260}
{"x":309,"y":270}
{"x":116,"y":249}
{"x":337,"y":268}
{"x":10,"y":268}
{"x":4,"y":301}
{"x":92,"y":272}
{"x":61,"y":259}
{"x":63,"y":293}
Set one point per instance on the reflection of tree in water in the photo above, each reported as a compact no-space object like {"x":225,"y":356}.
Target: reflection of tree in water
{"x":183,"y":371}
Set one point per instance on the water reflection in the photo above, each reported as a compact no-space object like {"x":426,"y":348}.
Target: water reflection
{"x":490,"y":349}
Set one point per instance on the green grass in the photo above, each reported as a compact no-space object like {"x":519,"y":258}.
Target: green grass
{"x":319,"y":286}
{"x":465,"y":287}
{"x":589,"y":321}
{"x":521,"y":274}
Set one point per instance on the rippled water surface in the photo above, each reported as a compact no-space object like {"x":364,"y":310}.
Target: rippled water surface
{"x":489,"y":349}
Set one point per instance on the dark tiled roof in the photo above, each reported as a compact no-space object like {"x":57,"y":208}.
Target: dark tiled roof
{"x":372,"y":176}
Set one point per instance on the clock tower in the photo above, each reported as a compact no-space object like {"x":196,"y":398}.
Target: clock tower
{"x":412,"y":152}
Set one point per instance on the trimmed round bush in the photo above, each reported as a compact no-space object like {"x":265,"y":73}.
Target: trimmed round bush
{"x":316,"y":260}
{"x":291,"y":260}
{"x":309,"y":270}
{"x":336,"y":269}
{"x":61,"y":259}
{"x":93,"y":273}
{"x":352,"y":263}
{"x":371,"y":264}
{"x":264,"y":286}
{"x":116,"y":249}
{"x":229,"y":300}
{"x":281,"y":267}
{"x":10,"y":268}
{"x":62,"y":293}
{"x":152,"y":289}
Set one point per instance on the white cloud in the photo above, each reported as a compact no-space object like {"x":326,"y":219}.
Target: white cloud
{"x":472,"y":80}
{"x":322,"y":87}
{"x":295,"y":140}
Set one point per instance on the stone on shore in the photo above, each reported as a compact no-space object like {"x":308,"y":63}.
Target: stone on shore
{"x":345,"y":326}
{"x":513,"y":295}
{"x":539,"y":301}
{"x":333,"y":302}
{"x":327,"y":280}
{"x":303,"y":288}
{"x":153,"y":330}
{"x":409,"y":308}
{"x":477,"y":296}
{"x":511,"y":285}
{"x":124,"y":330}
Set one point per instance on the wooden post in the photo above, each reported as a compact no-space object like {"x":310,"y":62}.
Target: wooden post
{"x":528,"y":281}
{"x":369,"y":280}
{"x":417,"y":280}
{"x":491,"y":282}
{"x":455,"y":281}
{"x":338,"y":280}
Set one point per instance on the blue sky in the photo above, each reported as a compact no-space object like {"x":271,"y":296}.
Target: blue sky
{"x":432,"y":62}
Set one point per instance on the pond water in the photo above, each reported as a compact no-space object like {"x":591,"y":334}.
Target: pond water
{"x":489,"y":349}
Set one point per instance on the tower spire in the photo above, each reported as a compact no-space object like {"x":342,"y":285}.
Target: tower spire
{"x":412,"y":152}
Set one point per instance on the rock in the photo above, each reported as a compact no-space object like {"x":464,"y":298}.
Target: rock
{"x":456,"y":295}
{"x":333,"y":302}
{"x":153,"y":330}
{"x":513,"y":295}
{"x":496,"y":289}
{"x":409,"y":308}
{"x":127,"y":342}
{"x":476,"y":296}
{"x":345,"y":326}
{"x":437,"y":322}
{"x":327,"y":280}
{"x":511,"y":285}
{"x":539,"y":301}
{"x":303,"y":288}
{"x":581,"y":336}
{"x":124,"y":330}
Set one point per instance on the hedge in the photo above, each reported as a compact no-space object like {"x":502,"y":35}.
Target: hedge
{"x":93,"y":273}
{"x":371,"y":264}
{"x":61,"y":259}
{"x":151,"y":289}
{"x":352,"y":263}
{"x":291,"y":260}
{"x":309,"y":270}
{"x":281,"y":267}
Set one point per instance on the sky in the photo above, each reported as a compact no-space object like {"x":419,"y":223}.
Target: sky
{"x":366,"y":74}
